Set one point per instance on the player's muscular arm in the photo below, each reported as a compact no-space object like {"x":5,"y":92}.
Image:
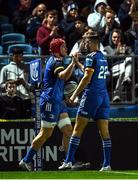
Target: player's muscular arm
{"x":66,"y":73}
{"x":80,"y":66}
{"x":83,"y":83}
{"x":78,"y":63}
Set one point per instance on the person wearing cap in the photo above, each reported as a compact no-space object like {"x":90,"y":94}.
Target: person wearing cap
{"x":64,"y":4}
{"x":52,"y":108}
{"x":68,"y":23}
{"x":96,"y":20}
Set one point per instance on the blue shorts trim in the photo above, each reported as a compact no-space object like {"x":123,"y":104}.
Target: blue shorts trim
{"x":51,"y":110}
{"x":95,"y":106}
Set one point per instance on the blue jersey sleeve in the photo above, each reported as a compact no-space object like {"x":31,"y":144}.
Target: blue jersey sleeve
{"x":58,"y":67}
{"x":90,"y":62}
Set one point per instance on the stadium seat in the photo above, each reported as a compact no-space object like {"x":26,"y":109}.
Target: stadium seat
{"x":27,"y":48}
{"x":1,"y":50}
{"x":11,"y":38}
{"x":4,"y":19}
{"x":3,"y":60}
{"x":7,"y":28}
{"x":27,"y":51}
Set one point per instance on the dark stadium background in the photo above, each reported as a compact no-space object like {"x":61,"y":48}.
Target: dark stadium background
{"x":8,"y":6}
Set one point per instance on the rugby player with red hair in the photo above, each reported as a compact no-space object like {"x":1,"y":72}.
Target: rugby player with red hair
{"x":52,"y":107}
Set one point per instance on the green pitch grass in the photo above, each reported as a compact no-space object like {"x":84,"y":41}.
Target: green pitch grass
{"x":70,"y":175}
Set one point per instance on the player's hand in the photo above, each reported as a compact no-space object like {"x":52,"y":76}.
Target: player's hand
{"x":75,"y":58}
{"x":54,"y":31}
{"x":72,"y":98}
{"x":70,"y":103}
{"x":44,"y":21}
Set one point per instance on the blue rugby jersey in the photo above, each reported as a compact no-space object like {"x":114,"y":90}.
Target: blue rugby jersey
{"x":97,"y":61}
{"x":53,"y":85}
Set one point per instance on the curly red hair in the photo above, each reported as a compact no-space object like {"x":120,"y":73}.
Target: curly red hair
{"x":55,"y":45}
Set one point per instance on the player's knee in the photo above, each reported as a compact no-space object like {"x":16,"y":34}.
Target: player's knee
{"x":46,"y":135}
{"x":104,"y":134}
{"x":41,"y":138}
{"x":67,"y":131}
{"x":77,"y":131}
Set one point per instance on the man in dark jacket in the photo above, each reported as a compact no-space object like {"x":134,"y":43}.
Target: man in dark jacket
{"x":11,"y":105}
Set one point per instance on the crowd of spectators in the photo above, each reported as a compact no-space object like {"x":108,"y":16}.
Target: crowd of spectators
{"x":41,"y":21}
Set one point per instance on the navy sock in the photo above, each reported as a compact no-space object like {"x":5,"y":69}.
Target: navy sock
{"x":107,"y":145}
{"x":29,"y":156}
{"x":73,"y":145}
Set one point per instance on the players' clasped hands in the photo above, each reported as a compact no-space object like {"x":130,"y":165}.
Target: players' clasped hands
{"x":74,"y":98}
{"x":75,"y":58}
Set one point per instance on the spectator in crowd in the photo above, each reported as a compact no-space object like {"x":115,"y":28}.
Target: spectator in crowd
{"x":68,"y":24}
{"x":93,"y":104}
{"x":80,"y":24}
{"x":48,"y":31}
{"x":125,"y":10}
{"x":16,"y":70}
{"x":130,"y":31}
{"x":21,"y":15}
{"x":121,"y":67}
{"x":135,"y":22}
{"x":81,"y":48}
{"x":115,"y":42}
{"x":110,"y":24}
{"x":81,"y":45}
{"x":96,"y":20}
{"x":35,"y":22}
{"x":53,"y":110}
{"x":64,"y":7}
{"x":11,"y":105}
{"x":88,"y":9}
{"x":125,"y":13}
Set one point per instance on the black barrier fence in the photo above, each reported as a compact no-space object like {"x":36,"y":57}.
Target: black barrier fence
{"x":16,"y":137}
{"x":128,"y":93}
